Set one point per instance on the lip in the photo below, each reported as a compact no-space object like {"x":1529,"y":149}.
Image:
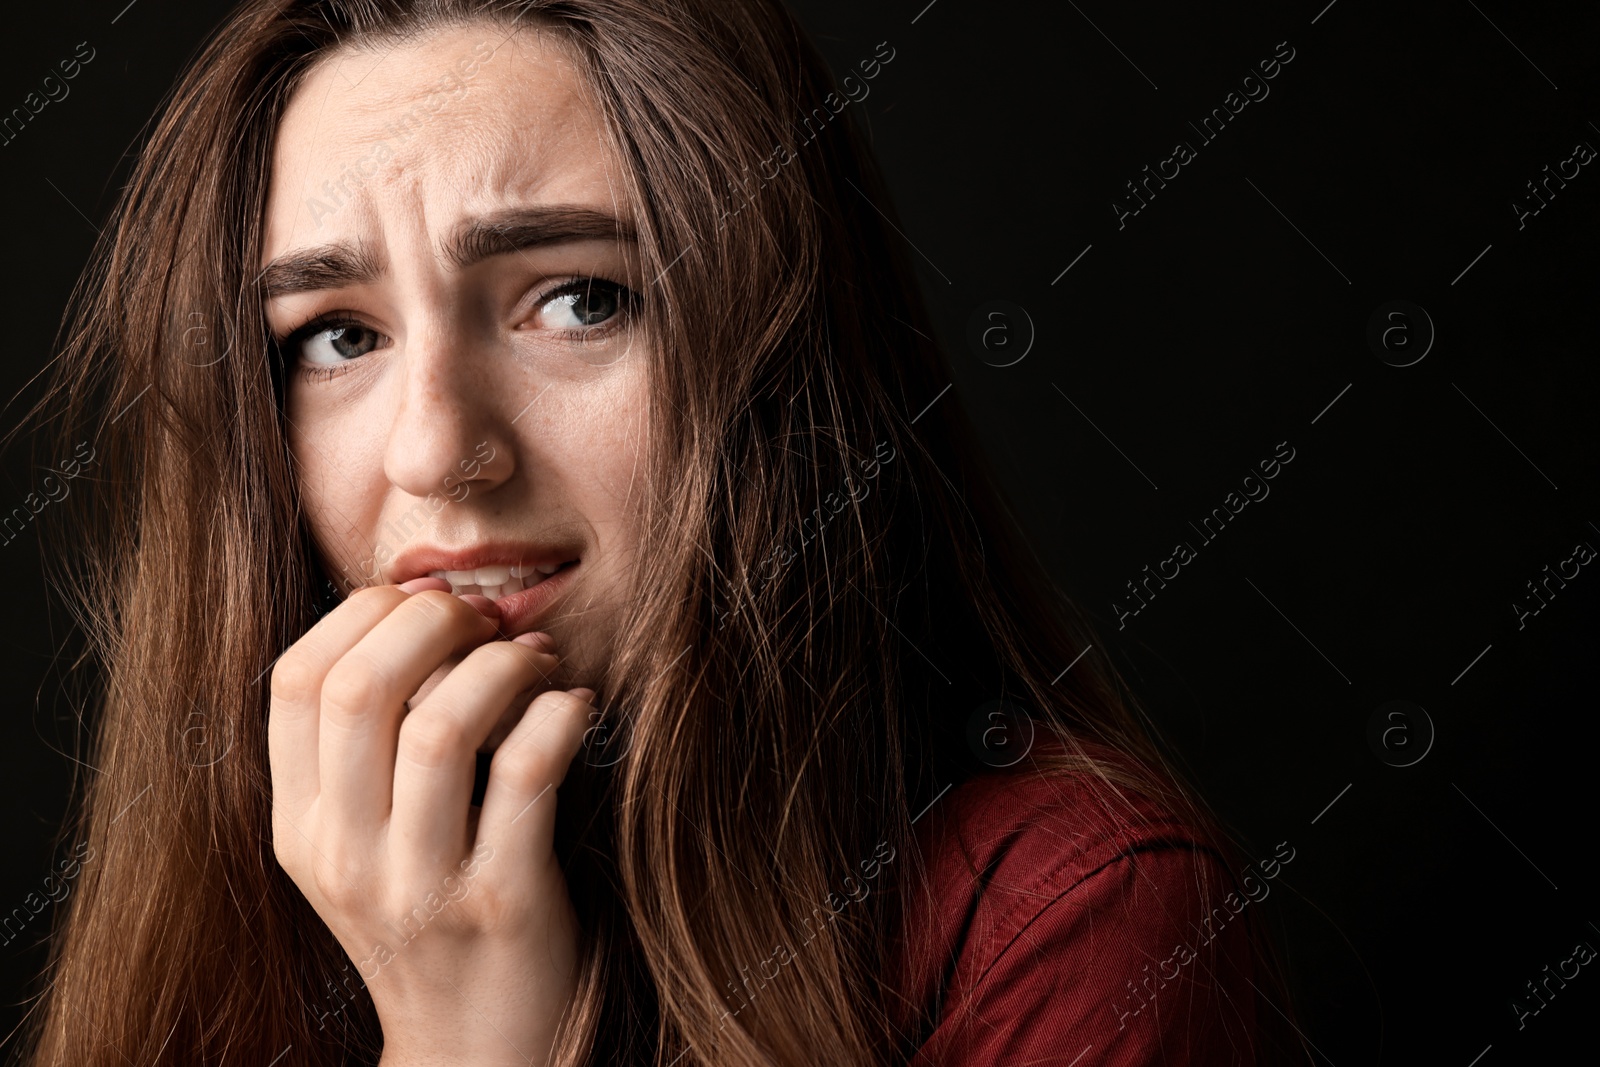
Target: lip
{"x":421,"y":560}
{"x":518,"y":611}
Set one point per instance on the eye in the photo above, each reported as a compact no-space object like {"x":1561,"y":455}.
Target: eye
{"x":583,"y":307}
{"x":329,"y":341}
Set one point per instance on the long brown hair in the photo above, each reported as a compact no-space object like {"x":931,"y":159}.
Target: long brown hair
{"x":829,"y":583}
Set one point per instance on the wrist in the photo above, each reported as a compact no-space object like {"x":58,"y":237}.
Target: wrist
{"x":484,"y":1048}
{"x":490,"y":1037}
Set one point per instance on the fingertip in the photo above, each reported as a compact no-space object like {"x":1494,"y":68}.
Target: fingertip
{"x":417,"y":585}
{"x":483,"y":605}
{"x":539,"y":641}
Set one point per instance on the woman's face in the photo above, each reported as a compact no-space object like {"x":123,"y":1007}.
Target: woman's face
{"x":469,"y":398}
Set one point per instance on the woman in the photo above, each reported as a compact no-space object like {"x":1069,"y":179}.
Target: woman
{"x":558,"y":358}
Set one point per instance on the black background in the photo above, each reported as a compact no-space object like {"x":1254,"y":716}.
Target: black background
{"x":1230,"y":314}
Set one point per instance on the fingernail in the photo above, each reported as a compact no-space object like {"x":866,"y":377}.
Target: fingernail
{"x":417,"y":585}
{"x":585,"y":695}
{"x":486,"y":607}
{"x":539,"y":641}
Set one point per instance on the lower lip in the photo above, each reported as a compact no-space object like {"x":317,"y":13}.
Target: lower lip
{"x":519,"y":610}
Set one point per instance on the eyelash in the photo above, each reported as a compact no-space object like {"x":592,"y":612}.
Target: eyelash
{"x":335,"y":319}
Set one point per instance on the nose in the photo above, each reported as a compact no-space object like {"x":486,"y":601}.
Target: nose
{"x":448,"y":428}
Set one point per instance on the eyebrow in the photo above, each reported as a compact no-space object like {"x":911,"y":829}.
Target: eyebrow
{"x":345,"y":263}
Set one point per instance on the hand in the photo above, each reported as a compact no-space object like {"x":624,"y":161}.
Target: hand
{"x":458,"y":918}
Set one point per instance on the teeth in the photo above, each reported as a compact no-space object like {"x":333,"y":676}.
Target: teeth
{"x":497,"y":581}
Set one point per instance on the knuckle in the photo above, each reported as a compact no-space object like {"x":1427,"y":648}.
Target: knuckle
{"x":559,"y":714}
{"x":335,"y":877}
{"x":294,"y":678}
{"x":351,"y":687}
{"x":431,"y":740}
{"x":495,"y":908}
{"x":329,"y":884}
{"x":528,"y":760}
{"x":525,"y":764}
{"x":423,"y":905}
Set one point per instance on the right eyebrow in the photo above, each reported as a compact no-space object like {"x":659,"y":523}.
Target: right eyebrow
{"x":343,"y":263}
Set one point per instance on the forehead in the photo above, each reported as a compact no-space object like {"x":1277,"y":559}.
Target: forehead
{"x":459,"y":122}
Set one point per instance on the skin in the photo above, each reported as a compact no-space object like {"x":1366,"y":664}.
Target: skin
{"x":372,"y":815}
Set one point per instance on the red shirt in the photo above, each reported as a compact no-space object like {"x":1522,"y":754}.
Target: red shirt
{"x":1078,"y":934}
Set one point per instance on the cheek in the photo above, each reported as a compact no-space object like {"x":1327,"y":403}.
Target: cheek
{"x":627,"y":470}
{"x":313,"y":483}
{"x":306,"y":431}
{"x":605,"y":449}
{"x":328,"y":479}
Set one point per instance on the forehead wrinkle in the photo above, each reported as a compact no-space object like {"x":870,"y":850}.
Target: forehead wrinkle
{"x":499,"y":159}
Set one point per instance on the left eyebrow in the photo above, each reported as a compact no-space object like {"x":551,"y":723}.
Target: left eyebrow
{"x":343,"y":264}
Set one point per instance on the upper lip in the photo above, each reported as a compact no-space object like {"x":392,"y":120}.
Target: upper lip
{"x":421,"y":560}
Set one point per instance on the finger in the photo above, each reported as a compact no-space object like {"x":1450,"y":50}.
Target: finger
{"x":295,"y":707}
{"x":439,"y":741}
{"x":519,"y":810}
{"x":364,"y":695}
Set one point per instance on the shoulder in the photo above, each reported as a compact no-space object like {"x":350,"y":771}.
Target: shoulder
{"x":1044,"y":916}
